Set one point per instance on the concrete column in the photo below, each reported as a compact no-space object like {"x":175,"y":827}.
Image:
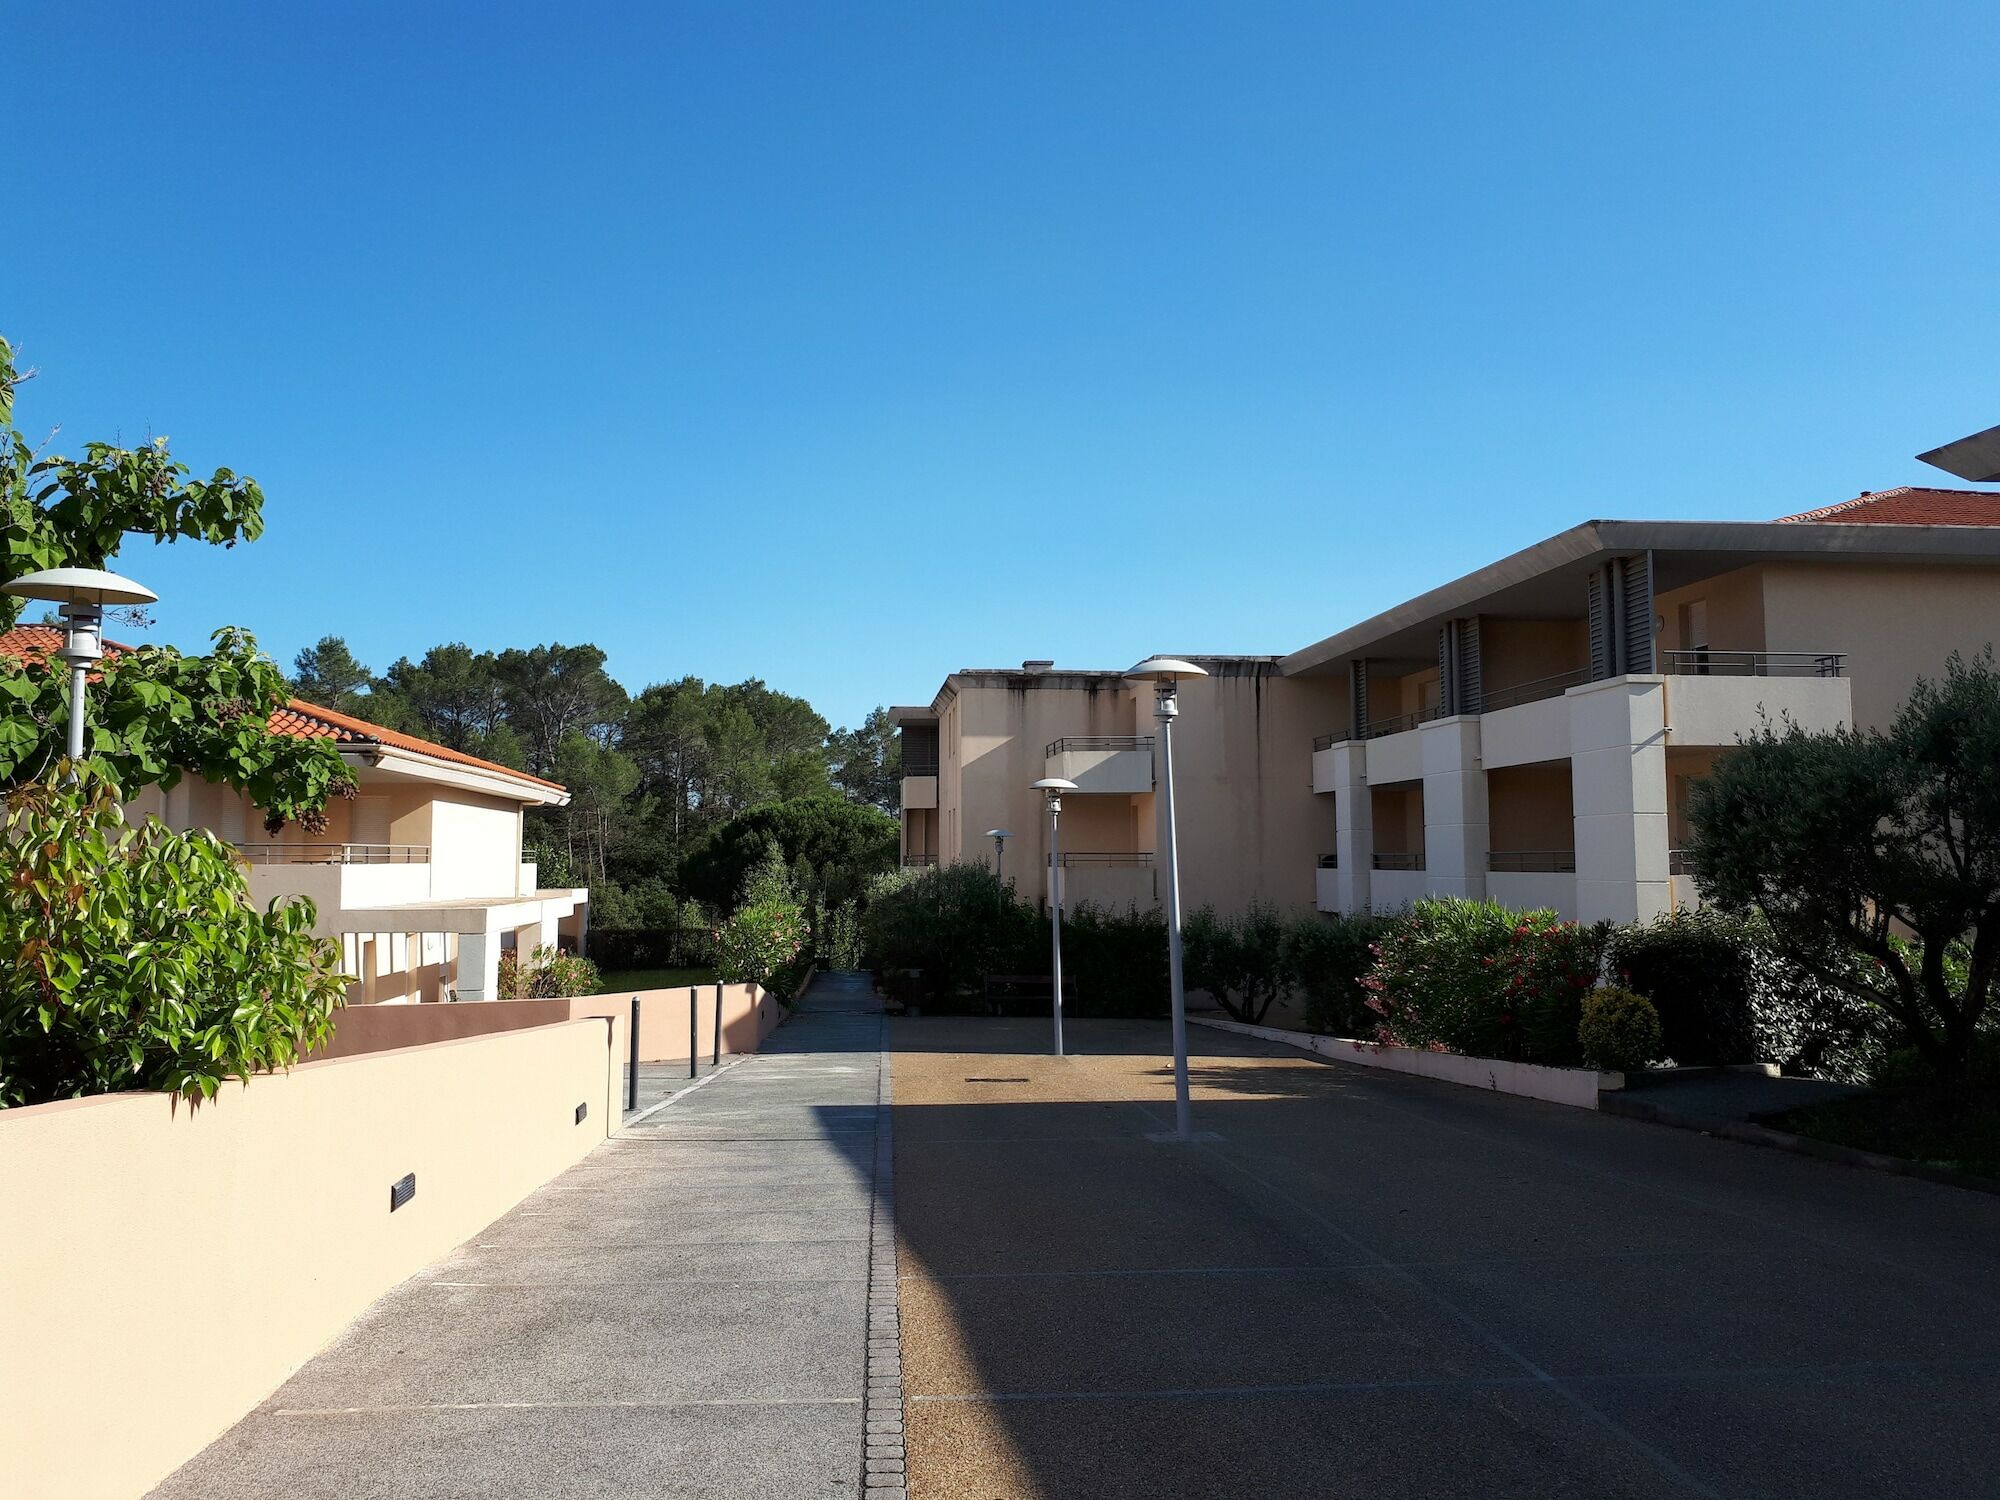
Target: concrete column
{"x":1618,"y":793}
{"x":1455,"y":821}
{"x":540,"y":933}
{"x":1354,"y":824}
{"x":478,"y":966}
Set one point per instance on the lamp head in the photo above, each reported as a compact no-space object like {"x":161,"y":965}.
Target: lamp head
{"x":1165,"y":673}
{"x":92,"y":587}
{"x":1000,"y":834}
{"x":1052,"y":787}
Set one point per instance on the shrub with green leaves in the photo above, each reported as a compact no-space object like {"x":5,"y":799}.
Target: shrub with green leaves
{"x":1326,"y":957}
{"x":1727,"y":993}
{"x":1239,"y":960}
{"x":764,"y":942}
{"x":548,"y":974}
{"x":135,"y":960}
{"x":1619,"y":1030}
{"x":1473,"y":977}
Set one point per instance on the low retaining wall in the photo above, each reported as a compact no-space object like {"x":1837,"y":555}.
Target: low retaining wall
{"x":748,"y":1016}
{"x":164,"y":1269}
{"x":1573,"y":1086}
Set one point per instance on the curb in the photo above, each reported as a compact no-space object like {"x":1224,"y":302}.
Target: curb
{"x":1751,"y":1134}
{"x":883,"y":1476}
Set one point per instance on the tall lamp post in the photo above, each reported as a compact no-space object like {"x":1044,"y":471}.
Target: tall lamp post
{"x":83,"y":593}
{"x":1165,"y":672}
{"x":999,"y":837}
{"x":1052,"y":788}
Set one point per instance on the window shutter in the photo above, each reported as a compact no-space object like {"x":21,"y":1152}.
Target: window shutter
{"x":1471,"y":694}
{"x":1600,"y":628}
{"x":1357,"y":686}
{"x":1638,"y":607}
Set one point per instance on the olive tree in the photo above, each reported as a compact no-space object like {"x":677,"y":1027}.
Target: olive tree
{"x":1877,"y":846}
{"x":136,"y":959}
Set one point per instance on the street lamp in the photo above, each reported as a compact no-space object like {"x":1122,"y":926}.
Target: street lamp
{"x":999,"y":837}
{"x":1165,"y":672}
{"x":1052,"y":788}
{"x":82,"y":593}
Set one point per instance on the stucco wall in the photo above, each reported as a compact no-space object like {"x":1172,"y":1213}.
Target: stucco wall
{"x":475,"y":845}
{"x":1896,"y":623}
{"x":1512,"y":652}
{"x":1736,"y":608}
{"x":168,"y":1268}
{"x":748,"y":1016}
{"x":1528,"y":808}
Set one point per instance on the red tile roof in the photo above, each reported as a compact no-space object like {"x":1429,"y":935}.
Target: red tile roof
{"x":297,"y":719}
{"x":1910,"y":505}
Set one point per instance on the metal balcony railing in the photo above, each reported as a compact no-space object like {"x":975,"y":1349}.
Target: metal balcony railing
{"x":1329,"y":861}
{"x":1400,"y":722}
{"x":1328,"y":741}
{"x":1097,"y":742}
{"x":1389,"y":859}
{"x":335,"y":854}
{"x":919,"y":861}
{"x":1086,"y":859}
{"x":1534,"y":690}
{"x":1531,"y":861}
{"x":1677,"y":862}
{"x":921,"y":767}
{"x":1707,"y":663}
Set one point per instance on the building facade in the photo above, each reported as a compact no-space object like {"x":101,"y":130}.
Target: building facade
{"x":1528,"y":732}
{"x":419,"y":876}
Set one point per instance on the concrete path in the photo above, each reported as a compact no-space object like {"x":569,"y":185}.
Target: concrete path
{"x":685,"y":1313}
{"x":1379,"y":1286}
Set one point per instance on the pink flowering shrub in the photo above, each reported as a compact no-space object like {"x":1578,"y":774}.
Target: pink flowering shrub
{"x":1475,"y":978}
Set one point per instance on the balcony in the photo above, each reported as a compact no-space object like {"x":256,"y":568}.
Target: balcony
{"x":1401,"y":723}
{"x":1326,"y":884}
{"x":1328,"y":741}
{"x":339,"y":877}
{"x":919,"y":861}
{"x":920,"y":792}
{"x":1707,"y":663}
{"x":1534,"y":690}
{"x":1113,"y":879}
{"x":1533,"y":879}
{"x":334,"y":854}
{"x":1715,"y":698}
{"x":1102,"y":763}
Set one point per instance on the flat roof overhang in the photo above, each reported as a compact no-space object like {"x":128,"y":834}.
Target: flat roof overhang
{"x":1545,"y":581}
{"x":1976,"y":458}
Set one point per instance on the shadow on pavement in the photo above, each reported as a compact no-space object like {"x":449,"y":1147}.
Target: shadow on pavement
{"x":1382,"y":1286}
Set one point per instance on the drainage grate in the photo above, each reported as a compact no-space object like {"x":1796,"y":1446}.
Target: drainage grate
{"x":997,"y":1080}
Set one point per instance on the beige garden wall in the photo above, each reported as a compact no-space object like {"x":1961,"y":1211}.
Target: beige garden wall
{"x":163,"y":1270}
{"x":748,"y":1016}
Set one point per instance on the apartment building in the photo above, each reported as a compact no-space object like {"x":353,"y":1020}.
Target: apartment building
{"x":1248,"y":824}
{"x":420,"y":875}
{"x":1527,"y":732}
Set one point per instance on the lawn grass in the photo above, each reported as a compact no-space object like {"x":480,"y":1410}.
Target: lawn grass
{"x":1960,"y":1134}
{"x":630,"y":981}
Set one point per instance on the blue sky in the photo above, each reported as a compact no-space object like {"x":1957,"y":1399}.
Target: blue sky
{"x":846,"y":345}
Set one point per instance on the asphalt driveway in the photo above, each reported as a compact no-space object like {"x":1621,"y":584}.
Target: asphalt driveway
{"x":1379,"y":1286}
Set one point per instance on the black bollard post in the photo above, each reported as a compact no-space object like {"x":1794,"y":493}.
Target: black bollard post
{"x":632,"y":1060}
{"x":718,"y":1024}
{"x":694,"y":1035}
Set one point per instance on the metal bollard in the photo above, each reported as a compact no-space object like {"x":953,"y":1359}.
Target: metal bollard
{"x":718,"y":1025}
{"x":632,"y":1062}
{"x":694,"y":1035}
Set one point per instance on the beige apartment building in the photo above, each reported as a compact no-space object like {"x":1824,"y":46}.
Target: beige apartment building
{"x":1527,"y":732}
{"x":419,"y":876}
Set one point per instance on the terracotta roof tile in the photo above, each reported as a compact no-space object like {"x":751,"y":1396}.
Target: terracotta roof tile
{"x":297,"y":719}
{"x":1910,"y":505}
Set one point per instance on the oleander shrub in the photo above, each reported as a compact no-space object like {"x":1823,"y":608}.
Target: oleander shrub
{"x":134,"y":959}
{"x":1325,"y":959}
{"x":764,"y":942}
{"x":954,"y":924}
{"x":1619,"y":1030}
{"x":1476,"y":978}
{"x":1116,"y":959}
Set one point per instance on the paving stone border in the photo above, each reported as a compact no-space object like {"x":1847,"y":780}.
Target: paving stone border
{"x":883,"y":1476}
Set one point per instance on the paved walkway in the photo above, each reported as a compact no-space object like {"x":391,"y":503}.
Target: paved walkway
{"x":682,"y":1314}
{"x":1378,"y":1286}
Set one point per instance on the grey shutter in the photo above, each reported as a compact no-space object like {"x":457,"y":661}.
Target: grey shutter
{"x":1638,"y":610}
{"x":1447,"y":670}
{"x":1600,"y":628}
{"x":1357,"y":688}
{"x":1470,"y":697}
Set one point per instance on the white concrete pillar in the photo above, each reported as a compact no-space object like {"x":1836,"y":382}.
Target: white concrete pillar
{"x":1354,"y":825}
{"x":478,"y":966}
{"x":1456,"y":836}
{"x":1618,"y":794}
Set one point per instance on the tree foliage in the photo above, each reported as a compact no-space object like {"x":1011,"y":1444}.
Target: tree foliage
{"x":136,"y":959}
{"x":1880,"y":845}
{"x":76,"y":512}
{"x":843,"y":845}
